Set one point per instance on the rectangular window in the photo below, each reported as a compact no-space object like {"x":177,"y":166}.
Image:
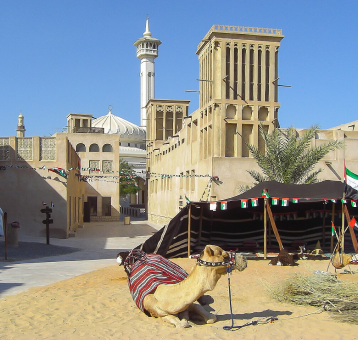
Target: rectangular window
{"x":159,"y":126}
{"x":267,"y":86}
{"x":230,"y":140}
{"x":192,"y":180}
{"x":243,"y":73}
{"x":94,"y":165}
{"x":227,"y":72}
{"x":107,"y":166}
{"x":47,"y":149}
{"x":259,"y":75}
{"x":252,"y":74}
{"x":4,"y":149}
{"x":168,"y":124}
{"x":106,"y":206}
{"x":24,"y":149}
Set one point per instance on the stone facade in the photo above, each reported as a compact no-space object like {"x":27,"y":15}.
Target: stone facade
{"x":207,"y":158}
{"x":26,"y":182}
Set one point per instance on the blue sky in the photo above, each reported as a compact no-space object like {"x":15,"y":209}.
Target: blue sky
{"x":59,"y":57}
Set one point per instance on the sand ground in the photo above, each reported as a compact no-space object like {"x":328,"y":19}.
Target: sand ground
{"x":98,"y":305}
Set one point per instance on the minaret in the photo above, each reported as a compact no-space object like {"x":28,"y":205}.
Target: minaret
{"x":147,"y":51}
{"x":20,"y":131}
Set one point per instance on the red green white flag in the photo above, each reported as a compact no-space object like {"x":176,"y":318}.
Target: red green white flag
{"x":213,"y":206}
{"x":223,"y":205}
{"x":265,"y":193}
{"x":353,"y":223}
{"x":284,"y":202}
{"x":254,"y":202}
{"x":295,"y":200}
{"x":274,"y":200}
{"x":333,"y":230}
{"x":354,"y":203}
{"x":244,"y":203}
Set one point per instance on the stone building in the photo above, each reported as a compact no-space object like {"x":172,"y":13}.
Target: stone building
{"x":32,"y":176}
{"x":203,"y":156}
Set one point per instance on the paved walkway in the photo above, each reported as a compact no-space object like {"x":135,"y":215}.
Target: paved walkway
{"x":34,"y":263}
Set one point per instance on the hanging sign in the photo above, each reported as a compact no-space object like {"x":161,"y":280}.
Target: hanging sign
{"x":213,"y":206}
{"x":223,"y":205}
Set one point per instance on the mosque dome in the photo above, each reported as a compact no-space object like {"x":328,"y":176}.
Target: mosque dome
{"x":113,"y":124}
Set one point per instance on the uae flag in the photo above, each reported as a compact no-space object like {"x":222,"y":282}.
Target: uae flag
{"x":274,"y":201}
{"x":354,"y":203}
{"x":333,"y":200}
{"x":254,"y":202}
{"x":213,"y":206}
{"x":284,"y":202}
{"x":244,"y":203}
{"x":265,"y":194}
{"x":295,"y":200}
{"x":351,"y":184}
{"x":353,"y":223}
{"x":343,"y":200}
{"x":223,"y":205}
{"x":333,"y":230}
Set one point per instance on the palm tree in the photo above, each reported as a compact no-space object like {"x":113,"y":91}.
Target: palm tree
{"x":289,"y":159}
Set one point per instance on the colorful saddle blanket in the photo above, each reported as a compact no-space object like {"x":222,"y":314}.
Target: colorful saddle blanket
{"x":147,"y":271}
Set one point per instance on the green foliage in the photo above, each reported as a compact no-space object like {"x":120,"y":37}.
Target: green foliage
{"x":127,"y":179}
{"x":289,"y":158}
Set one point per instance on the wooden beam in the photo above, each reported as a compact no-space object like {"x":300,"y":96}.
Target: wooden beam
{"x":5,"y":232}
{"x":274,"y":228}
{"x":353,"y":235}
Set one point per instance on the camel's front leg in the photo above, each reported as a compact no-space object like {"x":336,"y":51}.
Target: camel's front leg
{"x":150,"y":303}
{"x":176,"y":321}
{"x":207,"y":316}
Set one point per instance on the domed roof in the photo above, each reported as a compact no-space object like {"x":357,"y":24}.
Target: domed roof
{"x":113,"y":124}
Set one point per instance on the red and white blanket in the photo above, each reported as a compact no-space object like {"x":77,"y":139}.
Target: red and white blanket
{"x":147,"y":271}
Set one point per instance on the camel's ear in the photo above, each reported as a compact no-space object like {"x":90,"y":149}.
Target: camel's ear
{"x":209,"y":251}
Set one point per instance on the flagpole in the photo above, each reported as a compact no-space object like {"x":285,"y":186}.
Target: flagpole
{"x":342,"y":245}
{"x":265,"y":228}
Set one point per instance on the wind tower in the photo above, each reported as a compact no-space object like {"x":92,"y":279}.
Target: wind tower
{"x":147,"y":51}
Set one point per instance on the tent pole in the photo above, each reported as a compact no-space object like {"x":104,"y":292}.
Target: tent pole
{"x":324,"y":226}
{"x":353,"y":235}
{"x":342,"y":232}
{"x":333,"y":223}
{"x":274,"y":228}
{"x":265,"y":229}
{"x":189,"y":229}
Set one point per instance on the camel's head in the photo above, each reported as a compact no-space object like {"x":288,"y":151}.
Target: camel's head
{"x":214,"y":256}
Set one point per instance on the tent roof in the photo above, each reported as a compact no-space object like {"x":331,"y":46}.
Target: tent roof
{"x":312,"y":192}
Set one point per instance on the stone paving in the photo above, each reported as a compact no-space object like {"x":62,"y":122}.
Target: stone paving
{"x":34,"y":263}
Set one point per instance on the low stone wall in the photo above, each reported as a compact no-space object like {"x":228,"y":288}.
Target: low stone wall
{"x":158,"y":219}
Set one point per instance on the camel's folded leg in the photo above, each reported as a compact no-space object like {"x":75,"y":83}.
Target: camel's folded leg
{"x":197,"y":309}
{"x":150,"y":303}
{"x":176,"y":321}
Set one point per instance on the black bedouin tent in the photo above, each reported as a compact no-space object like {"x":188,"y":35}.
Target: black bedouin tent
{"x":293,"y":212}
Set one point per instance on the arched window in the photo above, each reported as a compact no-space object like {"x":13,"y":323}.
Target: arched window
{"x":80,"y":147}
{"x":107,"y":148}
{"x":94,"y":148}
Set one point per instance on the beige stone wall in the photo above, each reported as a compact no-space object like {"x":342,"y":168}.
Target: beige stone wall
{"x":27,"y":182}
{"x":100,"y":183}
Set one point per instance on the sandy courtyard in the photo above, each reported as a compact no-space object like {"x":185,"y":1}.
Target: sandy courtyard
{"x":98,"y":305}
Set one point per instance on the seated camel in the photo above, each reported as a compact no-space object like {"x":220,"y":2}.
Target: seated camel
{"x":163,"y":289}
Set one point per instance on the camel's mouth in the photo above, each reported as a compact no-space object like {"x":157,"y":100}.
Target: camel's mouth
{"x":240,"y":262}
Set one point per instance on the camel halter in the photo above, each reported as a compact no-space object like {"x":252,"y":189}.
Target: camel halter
{"x":227,"y":263}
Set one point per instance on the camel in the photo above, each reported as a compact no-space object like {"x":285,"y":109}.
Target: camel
{"x":174,"y":302}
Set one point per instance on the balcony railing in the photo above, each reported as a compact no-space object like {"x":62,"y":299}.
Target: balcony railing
{"x":87,"y":130}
